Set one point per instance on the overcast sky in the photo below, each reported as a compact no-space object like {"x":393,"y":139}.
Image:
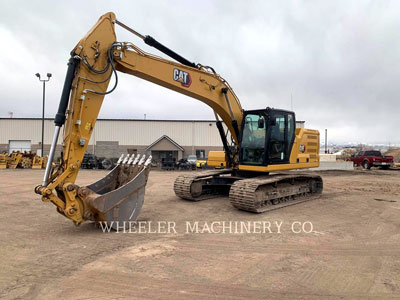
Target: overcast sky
{"x":340,"y":60}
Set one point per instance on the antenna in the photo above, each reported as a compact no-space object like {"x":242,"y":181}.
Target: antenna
{"x":291,"y":101}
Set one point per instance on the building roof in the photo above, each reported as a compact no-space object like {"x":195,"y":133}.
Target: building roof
{"x":168,"y":139}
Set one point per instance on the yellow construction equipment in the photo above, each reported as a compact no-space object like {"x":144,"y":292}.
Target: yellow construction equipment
{"x":22,"y":160}
{"x":26,"y":163}
{"x":4,"y":158}
{"x":38,"y":162}
{"x":259,"y":141}
{"x":15,"y":159}
{"x":25,"y":160}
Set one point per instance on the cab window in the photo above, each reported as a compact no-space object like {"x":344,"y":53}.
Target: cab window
{"x":253,"y":139}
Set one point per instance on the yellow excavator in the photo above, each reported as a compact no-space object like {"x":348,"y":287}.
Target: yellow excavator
{"x":256,"y":143}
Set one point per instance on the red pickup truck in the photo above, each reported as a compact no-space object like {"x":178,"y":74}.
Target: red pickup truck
{"x":371,"y":158}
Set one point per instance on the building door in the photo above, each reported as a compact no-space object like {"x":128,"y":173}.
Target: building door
{"x":167,"y":154}
{"x":200,"y":154}
{"x":160,"y":155}
{"x":19,"y":145}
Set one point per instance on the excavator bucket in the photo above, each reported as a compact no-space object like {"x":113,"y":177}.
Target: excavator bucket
{"x":117,"y":199}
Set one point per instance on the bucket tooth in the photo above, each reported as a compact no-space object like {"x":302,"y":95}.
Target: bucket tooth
{"x":141,"y":163}
{"x":121,"y":158}
{"x":147,"y":166}
{"x":148,"y":161}
{"x":129,"y":165}
{"x":123,"y":171}
{"x":125,"y":159}
{"x":131,"y":159}
{"x":136,"y":166}
{"x":142,"y":160}
{"x":136,"y":160}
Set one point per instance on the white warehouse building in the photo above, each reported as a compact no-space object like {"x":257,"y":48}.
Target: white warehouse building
{"x":112,"y":137}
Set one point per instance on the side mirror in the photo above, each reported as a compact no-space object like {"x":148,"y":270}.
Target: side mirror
{"x":261,"y":123}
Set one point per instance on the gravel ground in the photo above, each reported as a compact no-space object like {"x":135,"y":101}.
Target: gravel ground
{"x":349,"y":248}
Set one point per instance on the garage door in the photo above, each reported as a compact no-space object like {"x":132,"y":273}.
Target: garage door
{"x":19,"y":145}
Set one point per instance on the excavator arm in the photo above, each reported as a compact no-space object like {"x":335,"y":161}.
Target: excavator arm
{"x":94,"y":61}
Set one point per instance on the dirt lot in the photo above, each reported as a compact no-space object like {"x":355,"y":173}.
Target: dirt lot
{"x":353,"y":251}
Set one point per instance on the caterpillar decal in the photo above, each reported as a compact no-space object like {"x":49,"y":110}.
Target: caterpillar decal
{"x":182,"y":77}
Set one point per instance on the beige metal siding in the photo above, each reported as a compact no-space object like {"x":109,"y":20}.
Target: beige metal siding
{"x":146,"y":132}
{"x":26,"y":129}
{"x":126,"y":132}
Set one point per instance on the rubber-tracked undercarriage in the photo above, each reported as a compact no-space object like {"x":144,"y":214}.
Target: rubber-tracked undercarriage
{"x":256,"y":194}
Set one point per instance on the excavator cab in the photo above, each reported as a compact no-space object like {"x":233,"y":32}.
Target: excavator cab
{"x":266,"y":137}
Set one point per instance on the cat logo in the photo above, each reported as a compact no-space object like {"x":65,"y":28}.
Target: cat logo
{"x":182,"y":77}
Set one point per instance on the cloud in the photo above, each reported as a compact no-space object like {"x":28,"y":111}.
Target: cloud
{"x":340,"y":60}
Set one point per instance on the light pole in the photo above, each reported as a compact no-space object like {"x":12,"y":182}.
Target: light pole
{"x":44,"y":93}
{"x":326,"y":141}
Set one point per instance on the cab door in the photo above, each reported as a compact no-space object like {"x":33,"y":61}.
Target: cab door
{"x":280,"y":134}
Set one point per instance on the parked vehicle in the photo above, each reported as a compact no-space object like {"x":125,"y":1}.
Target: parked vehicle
{"x":371,"y":158}
{"x":192,"y":160}
{"x":200,"y":163}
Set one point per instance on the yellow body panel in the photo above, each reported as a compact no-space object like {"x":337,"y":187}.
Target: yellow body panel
{"x":217,"y":159}
{"x":304,"y":154}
